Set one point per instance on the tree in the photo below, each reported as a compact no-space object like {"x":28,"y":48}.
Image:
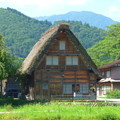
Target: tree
{"x":2,"y":55}
{"x":9,"y":64}
{"x":107,"y":50}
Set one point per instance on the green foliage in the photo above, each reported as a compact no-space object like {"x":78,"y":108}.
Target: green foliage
{"x":61,"y":111}
{"x":8,"y":64}
{"x":9,"y":107}
{"x":108,"y":116}
{"x":1,"y":56}
{"x":113,"y":94}
{"x":107,"y":50}
{"x":20,"y":32}
{"x":88,"y":35}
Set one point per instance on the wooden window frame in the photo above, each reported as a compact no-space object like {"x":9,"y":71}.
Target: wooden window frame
{"x":108,"y":73}
{"x":52,"y":60}
{"x":70,"y":60}
{"x":62,"y":45}
{"x":84,"y":88}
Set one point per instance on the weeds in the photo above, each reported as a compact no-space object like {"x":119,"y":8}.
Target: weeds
{"x":34,"y":110}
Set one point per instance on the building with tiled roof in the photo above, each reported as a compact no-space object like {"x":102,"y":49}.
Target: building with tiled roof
{"x":111,"y":78}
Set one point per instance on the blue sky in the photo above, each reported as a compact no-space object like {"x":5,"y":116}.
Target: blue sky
{"x":35,"y":8}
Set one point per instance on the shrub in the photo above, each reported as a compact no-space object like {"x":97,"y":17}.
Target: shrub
{"x":9,"y":107}
{"x":113,"y":94}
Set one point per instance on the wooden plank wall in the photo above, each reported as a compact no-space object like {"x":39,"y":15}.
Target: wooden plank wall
{"x":56,"y":79}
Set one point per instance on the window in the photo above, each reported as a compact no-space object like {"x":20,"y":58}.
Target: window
{"x":62,"y":45}
{"x":84,"y":88}
{"x":103,"y":73}
{"x":105,"y":89}
{"x":67,"y":88}
{"x":72,"y":60}
{"x":45,"y":86}
{"x":108,"y":74}
{"x":76,"y":88}
{"x":81,"y":88}
{"x":52,"y":60}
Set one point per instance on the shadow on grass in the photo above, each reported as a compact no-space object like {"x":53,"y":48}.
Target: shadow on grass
{"x":18,"y":102}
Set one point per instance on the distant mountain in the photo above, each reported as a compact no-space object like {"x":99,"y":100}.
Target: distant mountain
{"x":91,"y":18}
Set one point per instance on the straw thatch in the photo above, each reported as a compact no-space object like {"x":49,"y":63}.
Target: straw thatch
{"x":41,"y":47}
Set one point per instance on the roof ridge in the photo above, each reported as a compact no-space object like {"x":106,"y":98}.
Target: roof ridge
{"x":64,"y":25}
{"x":60,"y":26}
{"x":49,"y":30}
{"x":109,"y":64}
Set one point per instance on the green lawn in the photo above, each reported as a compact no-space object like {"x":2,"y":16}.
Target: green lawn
{"x":60,"y":111}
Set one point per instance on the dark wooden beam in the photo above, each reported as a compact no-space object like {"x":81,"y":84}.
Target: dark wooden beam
{"x":63,"y":53}
{"x":61,"y":69}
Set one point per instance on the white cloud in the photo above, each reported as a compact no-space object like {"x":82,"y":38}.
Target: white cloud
{"x":114,"y":9}
{"x":79,"y":2}
{"x":43,"y":7}
{"x":43,"y":3}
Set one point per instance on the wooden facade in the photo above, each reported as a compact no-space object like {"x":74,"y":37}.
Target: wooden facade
{"x":62,"y":71}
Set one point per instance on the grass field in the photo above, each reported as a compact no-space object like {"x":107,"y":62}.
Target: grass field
{"x":59,"y":111}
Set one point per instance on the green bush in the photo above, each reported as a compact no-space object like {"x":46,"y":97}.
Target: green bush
{"x":113,"y":94}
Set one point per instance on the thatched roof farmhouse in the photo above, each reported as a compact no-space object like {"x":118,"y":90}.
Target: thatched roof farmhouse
{"x":58,"y":65}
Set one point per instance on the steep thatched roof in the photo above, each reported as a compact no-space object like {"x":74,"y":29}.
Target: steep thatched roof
{"x":41,"y":47}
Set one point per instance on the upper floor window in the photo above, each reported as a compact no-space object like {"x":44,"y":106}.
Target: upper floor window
{"x":71,"y":60}
{"x":52,"y":60}
{"x":103,"y":73}
{"x":107,"y":73}
{"x":62,"y":45}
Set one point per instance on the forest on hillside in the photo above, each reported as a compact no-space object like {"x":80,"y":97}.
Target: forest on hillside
{"x":22,"y":32}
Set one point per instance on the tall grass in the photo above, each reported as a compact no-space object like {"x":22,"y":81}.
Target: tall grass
{"x":60,"y":112}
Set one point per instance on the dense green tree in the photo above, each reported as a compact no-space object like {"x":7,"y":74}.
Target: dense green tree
{"x":107,"y":50}
{"x":2,"y":56}
{"x":8,"y":64}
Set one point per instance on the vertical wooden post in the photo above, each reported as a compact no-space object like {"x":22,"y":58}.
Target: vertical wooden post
{"x":111,"y":86}
{"x":31,"y":89}
{"x":48,"y":80}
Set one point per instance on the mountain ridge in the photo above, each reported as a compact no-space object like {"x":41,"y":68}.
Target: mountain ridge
{"x":91,"y":18}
